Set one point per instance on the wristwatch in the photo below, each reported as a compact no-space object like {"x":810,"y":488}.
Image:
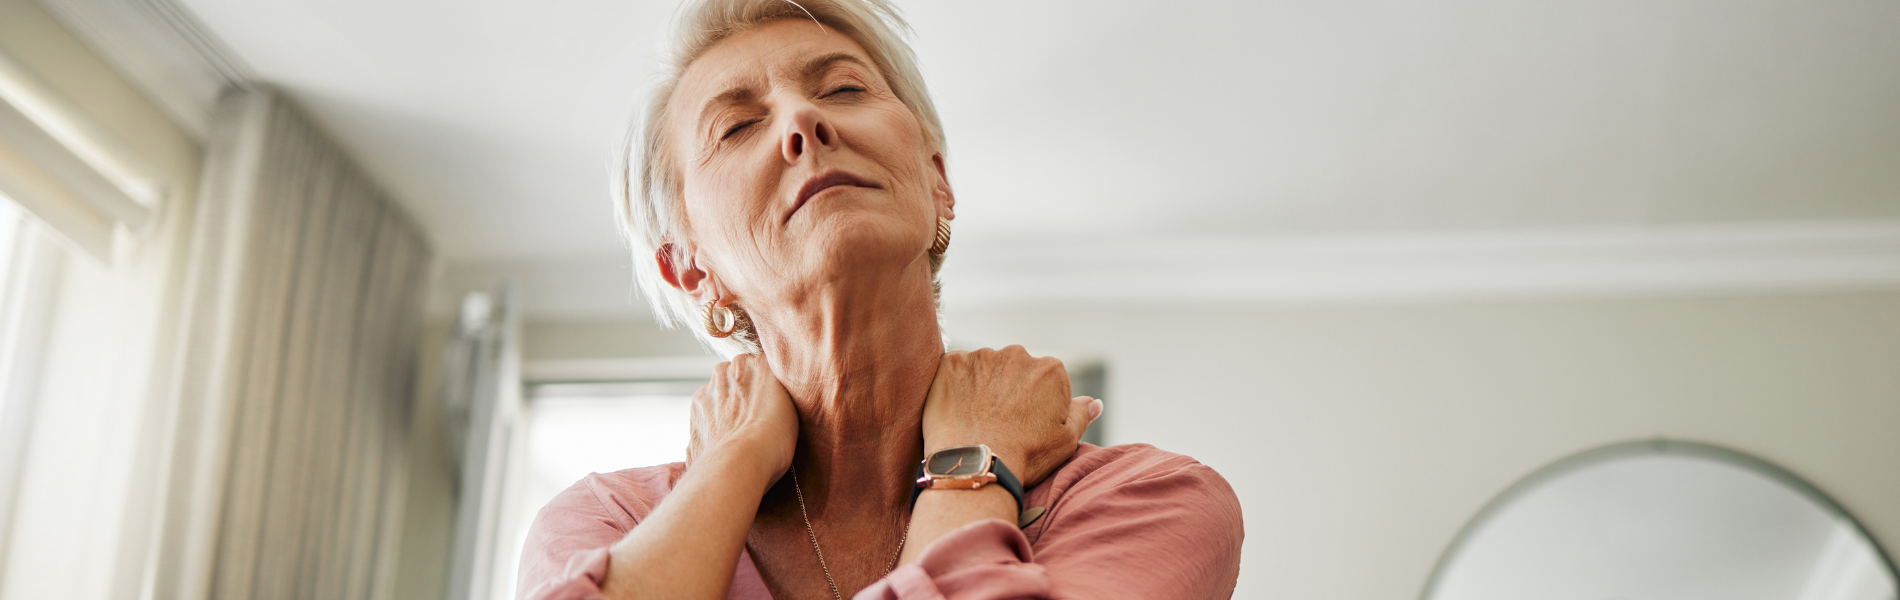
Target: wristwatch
{"x":965,"y":468}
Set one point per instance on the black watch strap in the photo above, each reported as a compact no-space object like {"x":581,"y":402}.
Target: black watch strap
{"x":1008,"y":480}
{"x":1003,"y":478}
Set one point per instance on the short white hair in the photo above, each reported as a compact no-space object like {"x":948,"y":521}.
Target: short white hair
{"x":652,"y":214}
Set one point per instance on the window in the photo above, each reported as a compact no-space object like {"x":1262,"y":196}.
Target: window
{"x":571,"y":430}
{"x":28,"y":264}
{"x":9,"y":234}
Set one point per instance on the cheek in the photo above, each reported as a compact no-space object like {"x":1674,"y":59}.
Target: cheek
{"x":897,"y":141}
{"x":726,"y":204}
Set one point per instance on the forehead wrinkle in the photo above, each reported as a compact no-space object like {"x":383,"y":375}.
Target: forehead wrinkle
{"x":741,"y":92}
{"x":818,"y":64}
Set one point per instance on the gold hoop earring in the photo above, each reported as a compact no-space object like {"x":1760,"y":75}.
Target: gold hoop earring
{"x":720,"y":321}
{"x":942,"y":243}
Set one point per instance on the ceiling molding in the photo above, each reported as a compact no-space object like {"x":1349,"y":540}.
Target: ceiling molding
{"x":1426,"y":267}
{"x":163,"y":49}
{"x":1317,"y":270}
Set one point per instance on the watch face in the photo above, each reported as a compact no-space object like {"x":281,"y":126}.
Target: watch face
{"x":959,"y":461}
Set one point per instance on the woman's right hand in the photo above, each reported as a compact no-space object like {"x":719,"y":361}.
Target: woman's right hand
{"x":744,"y":410}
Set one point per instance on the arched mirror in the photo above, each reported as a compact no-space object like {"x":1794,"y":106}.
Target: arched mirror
{"x":1663,"y":521}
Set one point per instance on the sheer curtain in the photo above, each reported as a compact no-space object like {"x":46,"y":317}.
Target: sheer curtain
{"x":481,"y":407}
{"x":300,"y":325}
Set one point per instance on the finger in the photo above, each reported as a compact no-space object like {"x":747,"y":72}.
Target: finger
{"x":950,"y":364}
{"x":1055,"y":371}
{"x":720,"y":385}
{"x":1080,"y":415}
{"x":760,"y":371}
{"x":1050,"y":362}
{"x":1095,"y":409}
{"x":695,"y":423}
{"x":720,"y":377}
{"x":701,"y":399}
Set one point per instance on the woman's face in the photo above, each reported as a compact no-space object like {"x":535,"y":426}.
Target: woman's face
{"x":801,"y":168}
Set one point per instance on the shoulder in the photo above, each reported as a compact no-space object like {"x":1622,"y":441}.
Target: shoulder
{"x":1095,"y":467}
{"x":624,"y":497}
{"x":569,"y":536}
{"x":1137,"y":478}
{"x":1137,"y":509}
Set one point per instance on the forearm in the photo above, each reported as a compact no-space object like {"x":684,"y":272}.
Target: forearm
{"x":689,"y":546}
{"x":941,"y":511}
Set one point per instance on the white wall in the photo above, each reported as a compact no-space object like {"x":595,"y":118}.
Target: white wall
{"x":600,"y":338}
{"x":1360,"y":439}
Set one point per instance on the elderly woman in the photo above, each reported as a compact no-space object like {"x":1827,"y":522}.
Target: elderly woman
{"x":793,"y":200}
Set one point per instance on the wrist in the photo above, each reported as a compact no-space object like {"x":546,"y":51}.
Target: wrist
{"x":748,"y":461}
{"x":969,"y":467}
{"x":990,"y":500}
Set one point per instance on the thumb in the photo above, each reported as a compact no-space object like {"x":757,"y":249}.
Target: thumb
{"x":1082,"y":412}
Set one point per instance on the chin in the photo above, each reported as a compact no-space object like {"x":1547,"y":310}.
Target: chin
{"x":854,"y":243}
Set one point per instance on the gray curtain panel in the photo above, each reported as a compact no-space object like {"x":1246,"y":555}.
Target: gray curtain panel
{"x":304,"y":311}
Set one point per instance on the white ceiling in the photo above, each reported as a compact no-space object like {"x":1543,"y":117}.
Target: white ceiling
{"x":493,"y":121}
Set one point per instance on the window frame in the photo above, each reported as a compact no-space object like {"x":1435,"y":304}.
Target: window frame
{"x":29,"y":294}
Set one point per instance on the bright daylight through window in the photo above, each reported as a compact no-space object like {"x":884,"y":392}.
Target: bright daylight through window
{"x":573,"y":430}
{"x":11,"y":220}
{"x":9,"y":236}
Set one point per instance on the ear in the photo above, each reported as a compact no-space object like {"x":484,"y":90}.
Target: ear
{"x":683,"y":273}
{"x":946,"y":200}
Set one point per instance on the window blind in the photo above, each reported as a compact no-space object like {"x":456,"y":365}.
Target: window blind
{"x":58,"y":165}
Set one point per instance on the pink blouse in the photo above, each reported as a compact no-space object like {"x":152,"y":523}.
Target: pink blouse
{"x":1127,"y":521}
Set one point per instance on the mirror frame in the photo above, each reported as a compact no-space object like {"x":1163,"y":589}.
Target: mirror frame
{"x":1599,"y":454}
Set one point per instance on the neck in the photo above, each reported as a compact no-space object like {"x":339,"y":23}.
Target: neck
{"x":858,"y":363}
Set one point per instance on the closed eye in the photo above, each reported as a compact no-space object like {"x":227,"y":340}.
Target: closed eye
{"x":736,"y":129}
{"x":843,"y":90}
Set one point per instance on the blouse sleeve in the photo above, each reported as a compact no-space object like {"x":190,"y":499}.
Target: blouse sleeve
{"x":1158,"y":525}
{"x":565,"y":554}
{"x":985,"y":559}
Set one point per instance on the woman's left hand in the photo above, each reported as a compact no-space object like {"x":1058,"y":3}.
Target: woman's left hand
{"x":1016,"y":404}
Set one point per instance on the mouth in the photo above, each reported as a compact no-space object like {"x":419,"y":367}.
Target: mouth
{"x":825,"y":181}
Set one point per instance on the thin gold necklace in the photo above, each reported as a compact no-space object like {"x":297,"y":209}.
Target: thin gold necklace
{"x":821,"y":553}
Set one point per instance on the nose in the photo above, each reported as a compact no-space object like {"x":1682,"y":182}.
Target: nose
{"x":807,"y":132}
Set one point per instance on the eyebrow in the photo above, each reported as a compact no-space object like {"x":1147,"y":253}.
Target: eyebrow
{"x":822,"y":62}
{"x":730,"y":96}
{"x":744,"y":92}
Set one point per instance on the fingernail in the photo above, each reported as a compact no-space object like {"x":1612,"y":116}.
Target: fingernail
{"x":1095,"y":408}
